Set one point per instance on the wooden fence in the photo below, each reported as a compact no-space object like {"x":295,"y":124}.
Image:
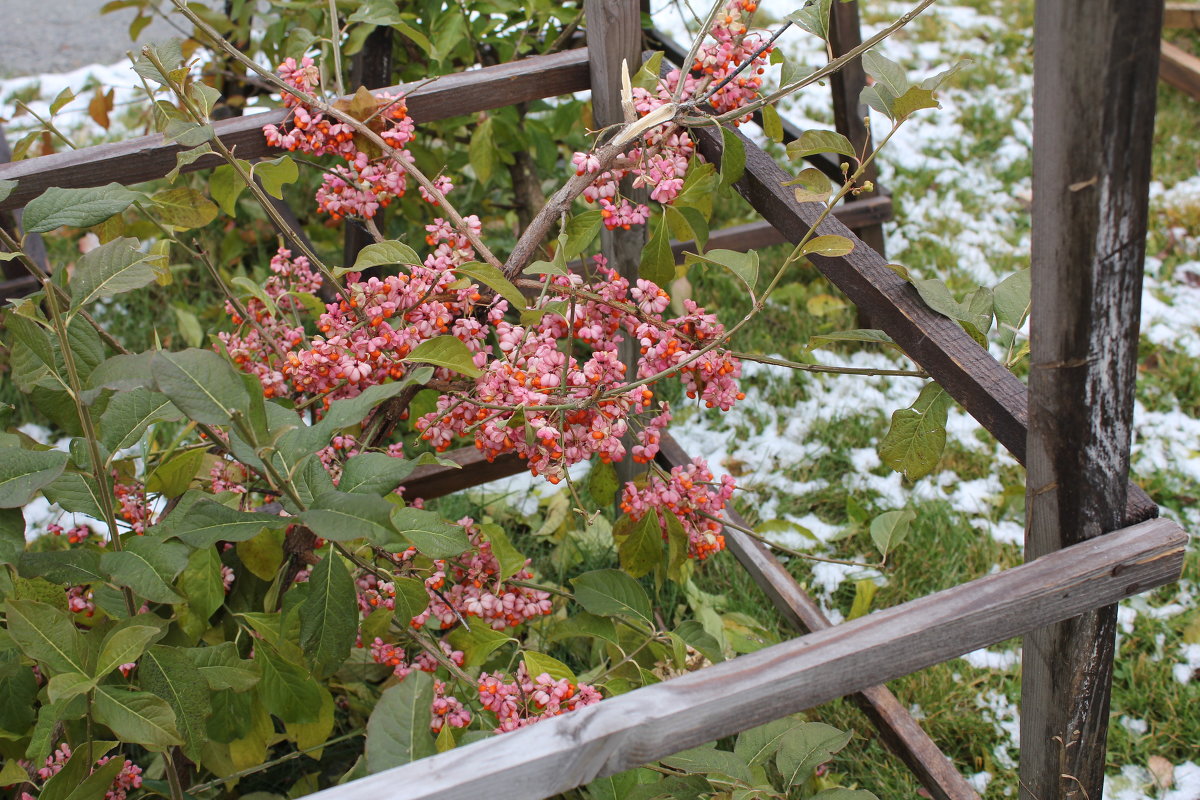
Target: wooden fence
{"x":1093,"y":535}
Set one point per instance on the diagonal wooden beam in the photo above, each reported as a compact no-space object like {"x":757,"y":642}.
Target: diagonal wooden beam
{"x":150,"y":157}
{"x":896,"y":726}
{"x":981,"y":384}
{"x":655,"y":721}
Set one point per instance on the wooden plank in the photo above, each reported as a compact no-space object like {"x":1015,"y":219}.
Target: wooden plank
{"x":372,"y":66}
{"x":1180,"y":69}
{"x":652,"y":722}
{"x":34,"y":247}
{"x":902,"y":734}
{"x":149,"y":157}
{"x":988,"y":391}
{"x":1181,"y":15}
{"x":432,"y":481}
{"x":1091,"y":174}
{"x":849,"y":115}
{"x":614,"y":35}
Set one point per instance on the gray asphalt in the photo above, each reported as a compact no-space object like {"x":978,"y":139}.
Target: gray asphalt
{"x":39,"y":36}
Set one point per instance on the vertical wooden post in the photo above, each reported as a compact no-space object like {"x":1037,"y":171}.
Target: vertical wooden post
{"x":614,"y":33}
{"x":372,"y":67}
{"x":1095,"y":69}
{"x":849,"y":114}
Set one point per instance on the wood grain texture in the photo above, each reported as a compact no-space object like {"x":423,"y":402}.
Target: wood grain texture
{"x":1091,"y":176}
{"x":34,"y":247}
{"x":1181,"y":15}
{"x":371,"y":66}
{"x":149,"y":157}
{"x":652,"y":722}
{"x":849,"y":115}
{"x":614,"y":35}
{"x":896,"y":726}
{"x":432,"y":481}
{"x":1180,"y":69}
{"x":988,"y":391}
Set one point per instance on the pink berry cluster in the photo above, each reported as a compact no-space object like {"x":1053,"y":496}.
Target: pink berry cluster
{"x":661,"y":162}
{"x":534,"y":374}
{"x":688,"y":496}
{"x":133,"y":506}
{"x":526,"y":700}
{"x":446,"y":709}
{"x":471,"y":586}
{"x":79,"y":601}
{"x":130,"y":776}
{"x":364,"y":184}
{"x":75,"y":535}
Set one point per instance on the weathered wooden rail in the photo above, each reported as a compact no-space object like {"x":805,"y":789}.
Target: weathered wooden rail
{"x":1068,"y":579}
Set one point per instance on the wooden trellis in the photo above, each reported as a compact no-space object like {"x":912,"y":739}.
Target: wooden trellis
{"x":1093,"y":536}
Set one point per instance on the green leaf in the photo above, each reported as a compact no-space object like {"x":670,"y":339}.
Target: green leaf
{"x":687,"y":224}
{"x":77,"y":781}
{"x":871,"y":96}
{"x":813,"y":17}
{"x":693,"y":634}
{"x":589,"y":625}
{"x":398,"y":729}
{"x":187,"y":158}
{"x":857,"y":335}
{"x":168,"y":673}
{"x":658,"y":262}
{"x":743,"y":266}
{"x":262,"y":554}
{"x":67,"y":685}
{"x":376,"y":12}
{"x":511,"y":560}
{"x":79,"y":208}
{"x":12,"y":535}
{"x":129,"y":414}
{"x":639,"y":544}
{"x":275,"y":174}
{"x":6,"y":188}
{"x":610,"y":592}
{"x":772,"y":124}
{"x":374,"y":473}
{"x":708,"y":760}
{"x":916,"y":439}
{"x":429,"y":533}
{"x":647,"y":77}
{"x":172,"y":477}
{"x":184,"y":208}
{"x":122,"y":373}
{"x":1011,"y":304}
{"x":207,"y":522}
{"x":445,"y":351}
{"x":200,"y":383}
{"x":340,"y":516}
{"x":482,"y":151}
{"x":24,"y":472}
{"x":382,"y":254}
{"x":914,"y":99}
{"x":495,"y":280}
{"x":812,"y":186}
{"x":828,"y":246}
{"x":288,"y":690}
{"x":864,"y":593}
{"x":537,"y":663}
{"x":812,"y":142}
{"x":169,"y":53}
{"x":478,"y":643}
{"x":842,"y":793}
{"x":201,"y":584}
{"x":123,"y":646}
{"x":809,"y":745}
{"x":328,"y":616}
{"x":411,"y":599}
{"x":221,"y":668}
{"x":890,"y":81}
{"x":890,"y":528}
{"x":603,"y":483}
{"x":225,"y":186}
{"x":18,"y":694}
{"x":733,"y":157}
{"x":581,"y":232}
{"x":137,"y":717}
{"x":147,"y":566}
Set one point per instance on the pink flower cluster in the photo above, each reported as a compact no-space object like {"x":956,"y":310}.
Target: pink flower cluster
{"x":688,"y":496}
{"x":526,"y":700}
{"x":661,"y":162}
{"x":130,"y":776}
{"x":364,"y":184}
